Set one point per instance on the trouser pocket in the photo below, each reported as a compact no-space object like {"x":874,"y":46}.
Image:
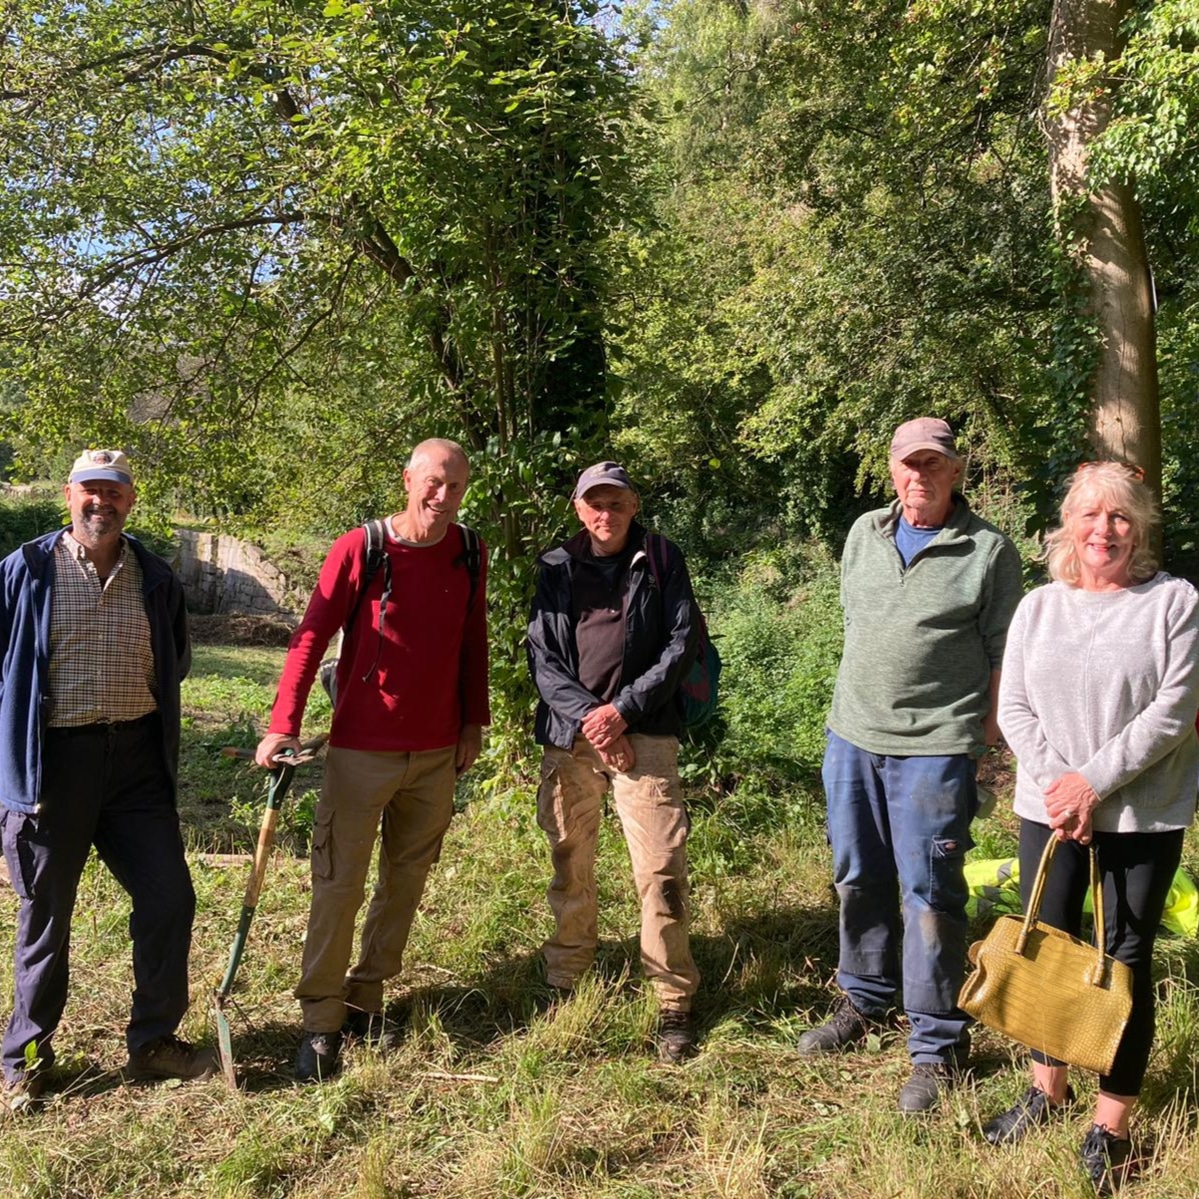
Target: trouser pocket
{"x":16,"y":829}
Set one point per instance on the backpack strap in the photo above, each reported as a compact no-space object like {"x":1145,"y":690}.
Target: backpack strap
{"x":655,"y":551}
{"x":472,"y":559}
{"x":376,"y":557}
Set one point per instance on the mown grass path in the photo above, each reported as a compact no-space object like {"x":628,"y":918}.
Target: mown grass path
{"x":496,"y":1091}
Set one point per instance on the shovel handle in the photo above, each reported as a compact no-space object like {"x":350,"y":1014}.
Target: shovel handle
{"x":280,"y":780}
{"x":308,"y":750}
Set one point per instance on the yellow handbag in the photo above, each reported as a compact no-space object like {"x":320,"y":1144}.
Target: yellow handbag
{"x":1049,"y":990}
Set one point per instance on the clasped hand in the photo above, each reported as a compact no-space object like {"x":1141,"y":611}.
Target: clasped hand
{"x":604,"y":727}
{"x":1069,"y":801}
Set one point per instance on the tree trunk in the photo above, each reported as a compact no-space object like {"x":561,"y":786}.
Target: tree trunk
{"x":1103,"y":232}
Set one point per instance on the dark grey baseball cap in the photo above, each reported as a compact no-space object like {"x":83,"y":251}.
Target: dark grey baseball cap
{"x":602,"y":474}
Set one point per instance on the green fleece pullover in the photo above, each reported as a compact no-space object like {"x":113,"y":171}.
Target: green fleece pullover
{"x":921,"y":642}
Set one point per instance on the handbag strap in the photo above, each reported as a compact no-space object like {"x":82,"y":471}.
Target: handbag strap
{"x":1038,"y":889}
{"x":1099,"y":970}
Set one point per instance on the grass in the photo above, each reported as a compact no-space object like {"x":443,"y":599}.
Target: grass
{"x":496,"y":1091}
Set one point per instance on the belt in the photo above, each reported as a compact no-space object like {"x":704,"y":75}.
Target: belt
{"x":103,"y":726}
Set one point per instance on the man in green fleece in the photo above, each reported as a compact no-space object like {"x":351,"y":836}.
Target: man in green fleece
{"x":928,"y":590}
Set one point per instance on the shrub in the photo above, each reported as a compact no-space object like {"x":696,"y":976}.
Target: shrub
{"x":24,"y":518}
{"x":778,"y":628}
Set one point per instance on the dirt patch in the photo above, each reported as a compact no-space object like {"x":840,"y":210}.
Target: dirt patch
{"x":239,"y":630}
{"x":997,"y":772}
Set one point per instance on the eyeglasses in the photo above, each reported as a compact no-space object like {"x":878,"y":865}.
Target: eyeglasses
{"x":1134,"y":472}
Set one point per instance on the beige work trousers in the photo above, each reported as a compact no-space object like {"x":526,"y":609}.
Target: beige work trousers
{"x":649,"y":802}
{"x":412,"y":796}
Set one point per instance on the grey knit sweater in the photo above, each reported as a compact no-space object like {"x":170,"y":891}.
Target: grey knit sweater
{"x":1106,"y":683}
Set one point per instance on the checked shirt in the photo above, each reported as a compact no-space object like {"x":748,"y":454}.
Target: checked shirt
{"x":101,"y":661}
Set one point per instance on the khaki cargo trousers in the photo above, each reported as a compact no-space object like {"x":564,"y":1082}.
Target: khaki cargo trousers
{"x":411,"y":795}
{"x":649,"y":802}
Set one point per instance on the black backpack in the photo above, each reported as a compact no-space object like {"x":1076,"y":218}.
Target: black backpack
{"x":376,"y":557}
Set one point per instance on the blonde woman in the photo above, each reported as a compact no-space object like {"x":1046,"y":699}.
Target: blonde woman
{"x":1098,"y":700}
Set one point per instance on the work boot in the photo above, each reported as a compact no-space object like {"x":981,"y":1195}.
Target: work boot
{"x":847,"y":1026}
{"x":928,"y":1082}
{"x":318,"y":1057}
{"x":19,"y":1096}
{"x":1105,"y":1158}
{"x":373,"y":1029}
{"x":170,"y":1057}
{"x":676,"y":1036}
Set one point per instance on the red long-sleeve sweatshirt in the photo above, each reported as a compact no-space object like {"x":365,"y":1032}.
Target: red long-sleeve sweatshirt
{"x":430,"y":677}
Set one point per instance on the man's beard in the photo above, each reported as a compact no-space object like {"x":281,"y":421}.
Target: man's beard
{"x":101,"y":522}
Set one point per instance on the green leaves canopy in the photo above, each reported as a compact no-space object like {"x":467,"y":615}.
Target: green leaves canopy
{"x":221,"y":221}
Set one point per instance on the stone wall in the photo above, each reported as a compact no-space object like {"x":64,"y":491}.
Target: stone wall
{"x":231,"y":577}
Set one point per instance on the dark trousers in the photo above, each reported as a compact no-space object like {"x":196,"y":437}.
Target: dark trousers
{"x":105,"y":786}
{"x":1135,"y":870}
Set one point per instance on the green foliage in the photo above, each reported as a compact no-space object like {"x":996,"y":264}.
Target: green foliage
{"x":1153,"y":139}
{"x":23,"y":519}
{"x":779,"y":632}
{"x":260,"y":243}
{"x":519,"y":498}
{"x":853,"y":229}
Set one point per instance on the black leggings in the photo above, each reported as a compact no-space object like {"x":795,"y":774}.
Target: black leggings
{"x":1136,"y":870}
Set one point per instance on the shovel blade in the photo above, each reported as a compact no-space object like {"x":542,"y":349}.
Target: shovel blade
{"x":224,"y":1040}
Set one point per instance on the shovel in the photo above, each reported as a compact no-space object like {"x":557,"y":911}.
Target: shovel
{"x":281,"y":776}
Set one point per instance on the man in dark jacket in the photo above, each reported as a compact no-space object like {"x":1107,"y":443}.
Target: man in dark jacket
{"x":609,"y":644}
{"x":93,"y":638}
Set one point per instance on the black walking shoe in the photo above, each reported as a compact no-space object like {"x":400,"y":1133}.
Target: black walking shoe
{"x":171,"y":1057}
{"x":318,"y":1056}
{"x":1030,"y":1111}
{"x":1105,"y":1158}
{"x":928,"y":1082}
{"x":676,"y":1036}
{"x":373,"y":1029}
{"x":847,"y":1026}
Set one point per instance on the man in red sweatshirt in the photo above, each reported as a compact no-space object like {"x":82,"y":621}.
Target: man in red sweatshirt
{"x":411,"y":703}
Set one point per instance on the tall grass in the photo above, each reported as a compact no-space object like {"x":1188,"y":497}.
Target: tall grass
{"x":500,"y":1090}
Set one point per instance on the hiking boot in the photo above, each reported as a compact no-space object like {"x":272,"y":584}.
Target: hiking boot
{"x":318,"y":1056}
{"x":1105,"y":1158}
{"x":676,"y":1036}
{"x":373,"y":1029}
{"x":923,"y":1090}
{"x":170,"y":1057}
{"x":19,"y":1096}
{"x":1030,"y":1111}
{"x":847,"y":1026}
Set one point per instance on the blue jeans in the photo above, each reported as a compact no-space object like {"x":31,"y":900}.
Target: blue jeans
{"x":899,"y":829}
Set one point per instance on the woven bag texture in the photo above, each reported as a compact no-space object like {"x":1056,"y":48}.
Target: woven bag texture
{"x":1045,"y":997}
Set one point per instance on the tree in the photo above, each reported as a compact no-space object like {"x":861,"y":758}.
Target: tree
{"x":853,"y":211}
{"x":216,"y":213}
{"x":1101,"y":228}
